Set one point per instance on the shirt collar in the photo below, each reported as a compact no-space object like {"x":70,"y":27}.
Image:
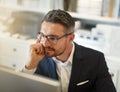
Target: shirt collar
{"x":71,"y":55}
{"x":69,"y":60}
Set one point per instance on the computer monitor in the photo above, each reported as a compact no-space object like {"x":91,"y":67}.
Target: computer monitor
{"x":15,"y":81}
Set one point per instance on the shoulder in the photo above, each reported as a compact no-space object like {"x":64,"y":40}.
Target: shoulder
{"x":87,"y":51}
{"x":46,"y":62}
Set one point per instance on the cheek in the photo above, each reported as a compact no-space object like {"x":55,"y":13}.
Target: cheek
{"x":61,"y":45}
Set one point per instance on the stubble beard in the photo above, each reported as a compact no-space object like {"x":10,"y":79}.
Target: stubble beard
{"x":53,"y":52}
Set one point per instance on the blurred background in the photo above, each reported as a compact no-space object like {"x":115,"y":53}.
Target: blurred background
{"x":97,"y":26}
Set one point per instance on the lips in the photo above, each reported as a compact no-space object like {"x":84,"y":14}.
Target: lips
{"x":47,"y":49}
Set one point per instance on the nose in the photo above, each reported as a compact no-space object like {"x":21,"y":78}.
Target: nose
{"x":45,"y":41}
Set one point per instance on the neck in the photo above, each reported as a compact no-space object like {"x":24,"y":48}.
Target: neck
{"x":63,"y":58}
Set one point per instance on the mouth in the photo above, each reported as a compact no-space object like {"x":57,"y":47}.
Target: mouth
{"x":49,"y":52}
{"x":48,"y":49}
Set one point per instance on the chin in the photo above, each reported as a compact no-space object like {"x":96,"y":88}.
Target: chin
{"x":49,"y":55}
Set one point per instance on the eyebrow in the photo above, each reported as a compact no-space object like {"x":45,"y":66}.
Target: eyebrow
{"x":51,"y":35}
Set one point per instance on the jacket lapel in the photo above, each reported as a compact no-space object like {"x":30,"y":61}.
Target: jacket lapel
{"x":52,"y":69}
{"x":49,"y":68}
{"x":77,"y":68}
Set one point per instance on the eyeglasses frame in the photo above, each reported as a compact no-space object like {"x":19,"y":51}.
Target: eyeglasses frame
{"x":57,"y":38}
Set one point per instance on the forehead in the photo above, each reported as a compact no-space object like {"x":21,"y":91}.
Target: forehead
{"x":49,"y":28}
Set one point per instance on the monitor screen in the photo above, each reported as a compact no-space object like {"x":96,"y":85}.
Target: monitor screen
{"x":15,"y":81}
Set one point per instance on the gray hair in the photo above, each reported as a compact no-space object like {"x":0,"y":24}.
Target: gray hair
{"x":61,"y":17}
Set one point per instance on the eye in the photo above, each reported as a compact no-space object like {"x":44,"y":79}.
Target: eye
{"x":52,"y":38}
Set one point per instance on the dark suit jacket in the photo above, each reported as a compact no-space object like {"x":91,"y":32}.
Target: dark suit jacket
{"x":89,"y":71}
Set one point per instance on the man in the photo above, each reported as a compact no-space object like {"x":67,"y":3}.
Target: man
{"x":56,"y":56}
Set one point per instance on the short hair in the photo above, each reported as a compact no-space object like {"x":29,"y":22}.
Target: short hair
{"x":61,"y":17}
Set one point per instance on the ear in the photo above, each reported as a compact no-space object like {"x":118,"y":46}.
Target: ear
{"x":71,"y":37}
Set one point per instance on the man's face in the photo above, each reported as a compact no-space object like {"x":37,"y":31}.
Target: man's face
{"x":49,"y":29}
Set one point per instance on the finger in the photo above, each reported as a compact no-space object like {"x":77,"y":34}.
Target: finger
{"x":37,"y":41}
{"x":34,"y":49}
{"x":40,"y":49}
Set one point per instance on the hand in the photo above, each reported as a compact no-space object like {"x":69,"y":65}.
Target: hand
{"x":36,"y":54}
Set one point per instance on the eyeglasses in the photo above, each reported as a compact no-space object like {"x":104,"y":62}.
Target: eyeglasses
{"x":53,"y":39}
